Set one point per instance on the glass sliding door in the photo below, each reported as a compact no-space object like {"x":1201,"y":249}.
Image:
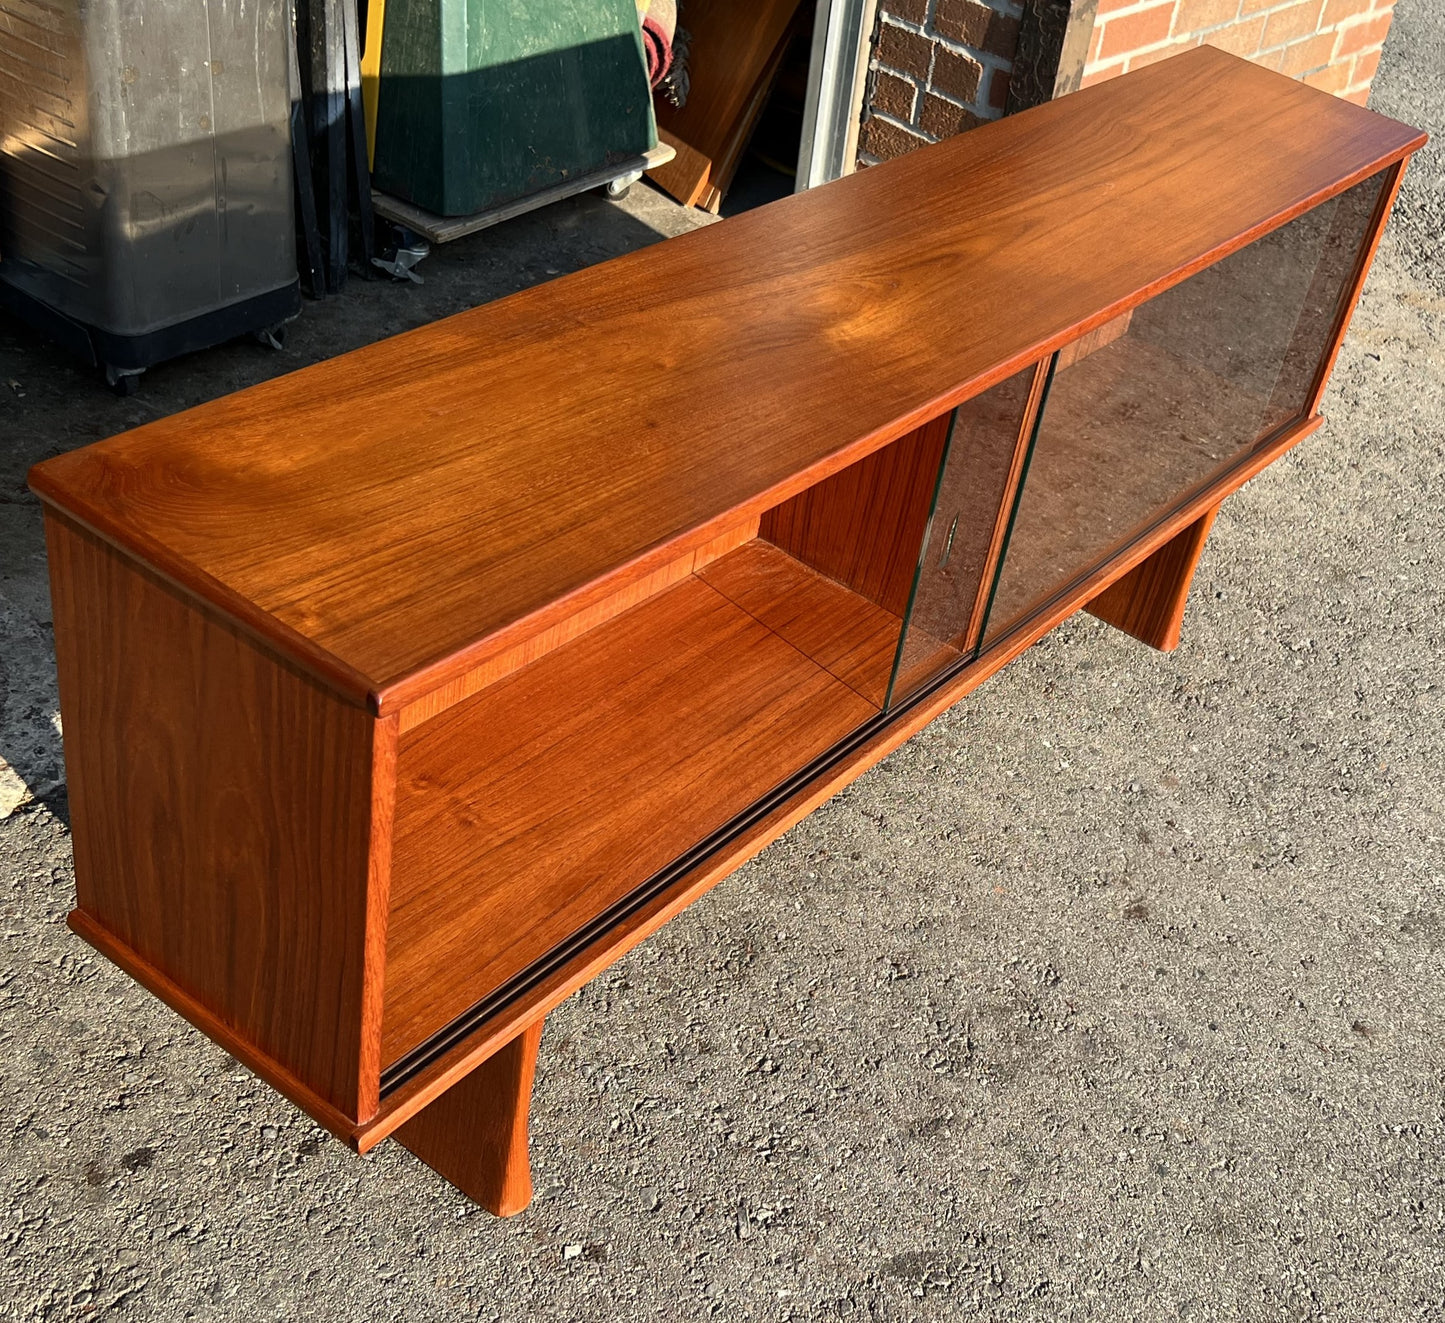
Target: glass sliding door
{"x":960,"y":546}
{"x":1146,"y":410}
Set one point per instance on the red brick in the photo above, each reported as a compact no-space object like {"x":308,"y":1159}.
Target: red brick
{"x":1109,"y":6}
{"x":1241,"y":39}
{"x":1154,"y":56}
{"x":1339,"y":11}
{"x":964,"y":21}
{"x":901,"y":49}
{"x":1360,"y":96}
{"x":1133,"y":32}
{"x":998,"y":89}
{"x":1363,"y":72}
{"x":957,"y":75}
{"x":1302,"y":57}
{"x":1364,"y":36}
{"x":911,"y":11}
{"x":1255,"y":6}
{"x":1286,"y":25}
{"x":942,"y":119}
{"x":1003,"y":36}
{"x":894,"y":95}
{"x":974,"y":24}
{"x":1194,"y":15}
{"x":1101,"y":75}
{"x":887,"y":141}
{"x":1333,"y":79}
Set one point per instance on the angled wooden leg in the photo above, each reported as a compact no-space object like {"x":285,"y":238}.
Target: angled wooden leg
{"x":1148,"y":602}
{"x":475,"y":1134}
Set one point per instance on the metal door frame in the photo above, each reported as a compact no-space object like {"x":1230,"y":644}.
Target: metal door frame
{"x":837,"y":81}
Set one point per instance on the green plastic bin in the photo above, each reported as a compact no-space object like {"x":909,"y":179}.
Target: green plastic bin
{"x":482,"y":102}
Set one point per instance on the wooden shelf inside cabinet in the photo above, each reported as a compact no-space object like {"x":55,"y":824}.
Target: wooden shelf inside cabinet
{"x":606,"y":760}
{"x":391,"y":719}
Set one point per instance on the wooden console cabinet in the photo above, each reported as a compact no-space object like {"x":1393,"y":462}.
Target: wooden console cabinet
{"x":403,"y":694}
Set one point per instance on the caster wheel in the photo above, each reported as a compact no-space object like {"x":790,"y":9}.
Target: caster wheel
{"x":619,"y":188}
{"x":273,"y":337}
{"x":123,"y":381}
{"x":398,"y":252}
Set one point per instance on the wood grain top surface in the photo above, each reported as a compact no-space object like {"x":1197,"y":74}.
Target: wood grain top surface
{"x":389,"y":516}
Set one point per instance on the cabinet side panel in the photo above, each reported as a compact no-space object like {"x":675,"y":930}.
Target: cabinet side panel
{"x":221,"y":807}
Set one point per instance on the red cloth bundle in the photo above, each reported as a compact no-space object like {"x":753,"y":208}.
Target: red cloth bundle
{"x":659,"y":27}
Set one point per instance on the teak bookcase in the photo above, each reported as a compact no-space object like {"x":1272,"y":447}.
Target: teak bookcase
{"x":403,"y":694}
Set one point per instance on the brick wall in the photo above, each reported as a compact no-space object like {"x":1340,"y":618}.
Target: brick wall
{"x":1330,"y":44}
{"x":939,"y":67}
{"x":942,"y":66}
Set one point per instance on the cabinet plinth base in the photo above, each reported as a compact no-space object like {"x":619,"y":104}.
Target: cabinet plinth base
{"x":1148,"y":602}
{"x":475,"y":1134}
